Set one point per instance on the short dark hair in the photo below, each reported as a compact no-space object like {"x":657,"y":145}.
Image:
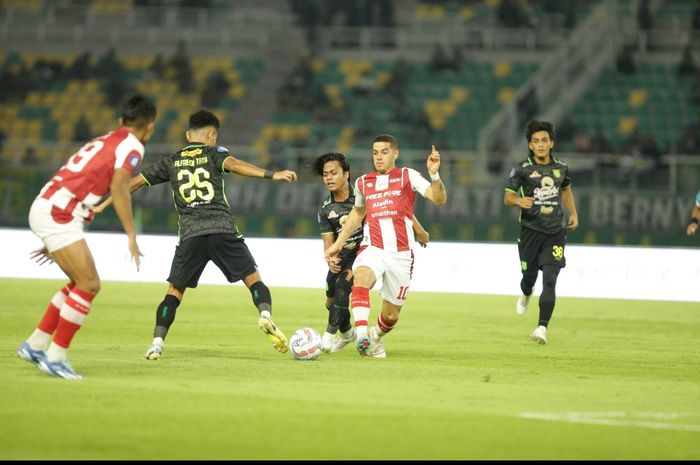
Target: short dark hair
{"x":536,"y":126}
{"x":317,"y":164}
{"x":387,"y":138}
{"x":203,"y":118}
{"x":138,"y":110}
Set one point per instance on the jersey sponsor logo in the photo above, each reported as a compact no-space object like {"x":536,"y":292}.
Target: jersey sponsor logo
{"x":535,"y":174}
{"x":192,"y":152}
{"x":332,"y":214}
{"x":382,"y":183}
{"x":369,"y":184}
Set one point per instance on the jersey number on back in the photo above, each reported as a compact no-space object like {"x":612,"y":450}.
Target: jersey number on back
{"x":195,"y":185}
{"x":77,"y":162}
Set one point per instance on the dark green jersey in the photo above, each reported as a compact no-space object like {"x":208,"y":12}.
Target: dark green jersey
{"x":195,"y":174}
{"x":544,"y":183}
{"x":332,"y":216}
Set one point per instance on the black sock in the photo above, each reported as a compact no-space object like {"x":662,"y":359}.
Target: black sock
{"x":165,"y":315}
{"x":261,"y":297}
{"x":548,"y":297}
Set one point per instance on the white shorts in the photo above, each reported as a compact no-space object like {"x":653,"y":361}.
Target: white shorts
{"x":393,"y":268}
{"x":54,"y":235}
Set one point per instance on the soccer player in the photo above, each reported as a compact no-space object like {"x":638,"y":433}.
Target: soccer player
{"x":544,"y":185}
{"x":384,"y":199}
{"x":208,"y":229}
{"x":58,"y":215}
{"x":334,"y":169}
{"x":694,"y":215}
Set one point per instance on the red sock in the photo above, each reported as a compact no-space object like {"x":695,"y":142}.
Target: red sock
{"x":73,"y":314}
{"x":385,"y":326}
{"x":360,"y":305}
{"x":49,"y":322}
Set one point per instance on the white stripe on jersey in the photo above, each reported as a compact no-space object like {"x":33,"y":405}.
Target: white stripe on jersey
{"x":386,"y":225}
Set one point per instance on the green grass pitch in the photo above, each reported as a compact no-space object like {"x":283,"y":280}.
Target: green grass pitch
{"x":462,"y":380}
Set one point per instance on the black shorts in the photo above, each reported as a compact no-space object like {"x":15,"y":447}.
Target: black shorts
{"x":331,"y":278}
{"x":227,"y":251}
{"x":538,"y":249}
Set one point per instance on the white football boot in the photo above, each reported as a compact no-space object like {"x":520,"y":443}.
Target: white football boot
{"x":376,"y":348}
{"x":540,"y":334}
{"x":344,"y":339}
{"x":327,"y":341}
{"x":522,"y":304}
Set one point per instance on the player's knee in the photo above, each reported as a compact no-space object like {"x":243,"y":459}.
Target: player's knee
{"x":343,"y":288}
{"x":92,"y":285}
{"x":549,"y":276}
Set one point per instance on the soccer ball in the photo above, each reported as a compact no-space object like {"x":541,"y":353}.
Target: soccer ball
{"x":305,"y":344}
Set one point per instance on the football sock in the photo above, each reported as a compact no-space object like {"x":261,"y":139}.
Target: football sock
{"x":384,"y":326}
{"x":339,"y":309}
{"x":73,"y":313}
{"x":548,"y":296}
{"x":41,"y":337}
{"x":360,"y":308}
{"x":528,"y":282}
{"x":261,"y":297}
{"x":165,"y":315}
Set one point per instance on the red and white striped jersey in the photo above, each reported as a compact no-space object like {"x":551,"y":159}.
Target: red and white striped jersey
{"x":86,"y":177}
{"x":388,"y":199}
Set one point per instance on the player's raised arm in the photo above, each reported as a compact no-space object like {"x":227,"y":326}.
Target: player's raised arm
{"x":122,"y":205}
{"x":234,"y":165}
{"x":436,"y":193}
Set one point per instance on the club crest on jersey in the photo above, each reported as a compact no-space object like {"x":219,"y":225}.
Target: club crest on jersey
{"x":332,"y":214}
{"x":535,"y":174}
{"x":134,"y":159}
{"x":556,"y":173}
{"x":382,"y":183}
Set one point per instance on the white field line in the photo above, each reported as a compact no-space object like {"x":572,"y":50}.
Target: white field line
{"x":617,"y":419}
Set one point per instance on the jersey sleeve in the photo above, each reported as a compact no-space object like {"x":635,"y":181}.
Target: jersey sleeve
{"x":219,"y":156}
{"x":128,"y":154}
{"x":514,"y":180}
{"x":566,"y":183}
{"x":323,"y":224}
{"x":359,"y":196}
{"x":158,"y":172}
{"x":418,"y":182}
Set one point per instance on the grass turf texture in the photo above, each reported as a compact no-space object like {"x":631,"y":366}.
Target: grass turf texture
{"x":619,"y":379}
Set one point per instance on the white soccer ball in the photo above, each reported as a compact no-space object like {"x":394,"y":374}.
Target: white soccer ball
{"x":305,"y":344}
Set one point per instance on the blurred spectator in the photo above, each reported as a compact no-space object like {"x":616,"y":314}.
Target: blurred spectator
{"x":157,"y":66}
{"x":600,"y":144}
{"x":440,"y":61}
{"x":29,"y":158}
{"x":644,"y":17}
{"x":510,"y":14}
{"x":687,"y":65}
{"x":180,"y":63}
{"x":80,"y":68}
{"x":566,"y":130}
{"x":458,"y":60}
{"x":107,"y":64}
{"x":215,"y":89}
{"x":400,"y":74}
{"x":82,"y":130}
{"x":625,"y":62}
